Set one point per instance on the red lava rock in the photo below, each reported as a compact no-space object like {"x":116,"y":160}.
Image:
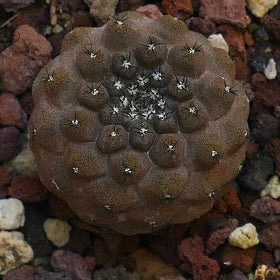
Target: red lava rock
{"x":67,"y":261}
{"x":28,"y":189}
{"x":273,"y":24}
{"x":21,"y":62}
{"x":151,"y":11}
{"x":266,"y":209}
{"x":259,"y":80}
{"x":234,"y":38}
{"x":230,"y":202}
{"x":267,"y":95}
{"x":15,"y":5}
{"x":264,"y":257}
{"x":6,"y":175}
{"x":82,"y":19}
{"x":10,"y":143}
{"x":5,"y":178}
{"x":270,"y":236}
{"x":274,"y":149}
{"x":225,"y":11}
{"x":202,"y":267}
{"x":239,"y":258}
{"x":181,"y":9}
{"x":219,"y":236}
{"x":204,"y":26}
{"x":238,"y":53}
{"x":25,"y":272}
{"x":242,"y":70}
{"x":248,"y":39}
{"x":11,"y":112}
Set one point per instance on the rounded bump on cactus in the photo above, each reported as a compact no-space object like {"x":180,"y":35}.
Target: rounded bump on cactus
{"x":164,"y":184}
{"x":74,"y":38}
{"x":128,"y":167}
{"x":151,"y":52}
{"x":168,"y":150}
{"x":192,"y":115}
{"x":181,"y":88}
{"x":165,"y":125}
{"x":119,"y":35}
{"x":94,"y":63}
{"x":171,"y":29}
{"x":217,"y":94}
{"x":58,"y":86}
{"x":44,"y":132}
{"x":124,"y":65}
{"x":93,"y":96}
{"x":83,"y":161}
{"x":112,"y":138}
{"x":79,"y":124}
{"x":141,"y":135}
{"x":109,"y":197}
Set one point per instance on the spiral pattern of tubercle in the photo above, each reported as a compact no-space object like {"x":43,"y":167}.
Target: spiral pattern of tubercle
{"x":138,"y":124}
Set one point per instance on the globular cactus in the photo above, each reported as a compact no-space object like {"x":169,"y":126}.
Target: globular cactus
{"x":138,"y":124}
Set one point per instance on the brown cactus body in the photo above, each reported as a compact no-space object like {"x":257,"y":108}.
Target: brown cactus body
{"x":137,"y":124}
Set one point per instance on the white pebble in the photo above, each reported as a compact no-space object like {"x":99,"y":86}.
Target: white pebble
{"x":244,"y":237}
{"x":272,"y":188}
{"x":260,"y":7}
{"x":14,"y":251}
{"x":57,"y":231}
{"x":270,"y":70}
{"x":218,"y":41}
{"x":11,"y":214}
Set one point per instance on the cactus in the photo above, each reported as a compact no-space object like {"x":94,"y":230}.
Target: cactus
{"x":138,"y":124}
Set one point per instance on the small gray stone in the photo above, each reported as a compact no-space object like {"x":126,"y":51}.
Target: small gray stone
{"x":270,"y":70}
